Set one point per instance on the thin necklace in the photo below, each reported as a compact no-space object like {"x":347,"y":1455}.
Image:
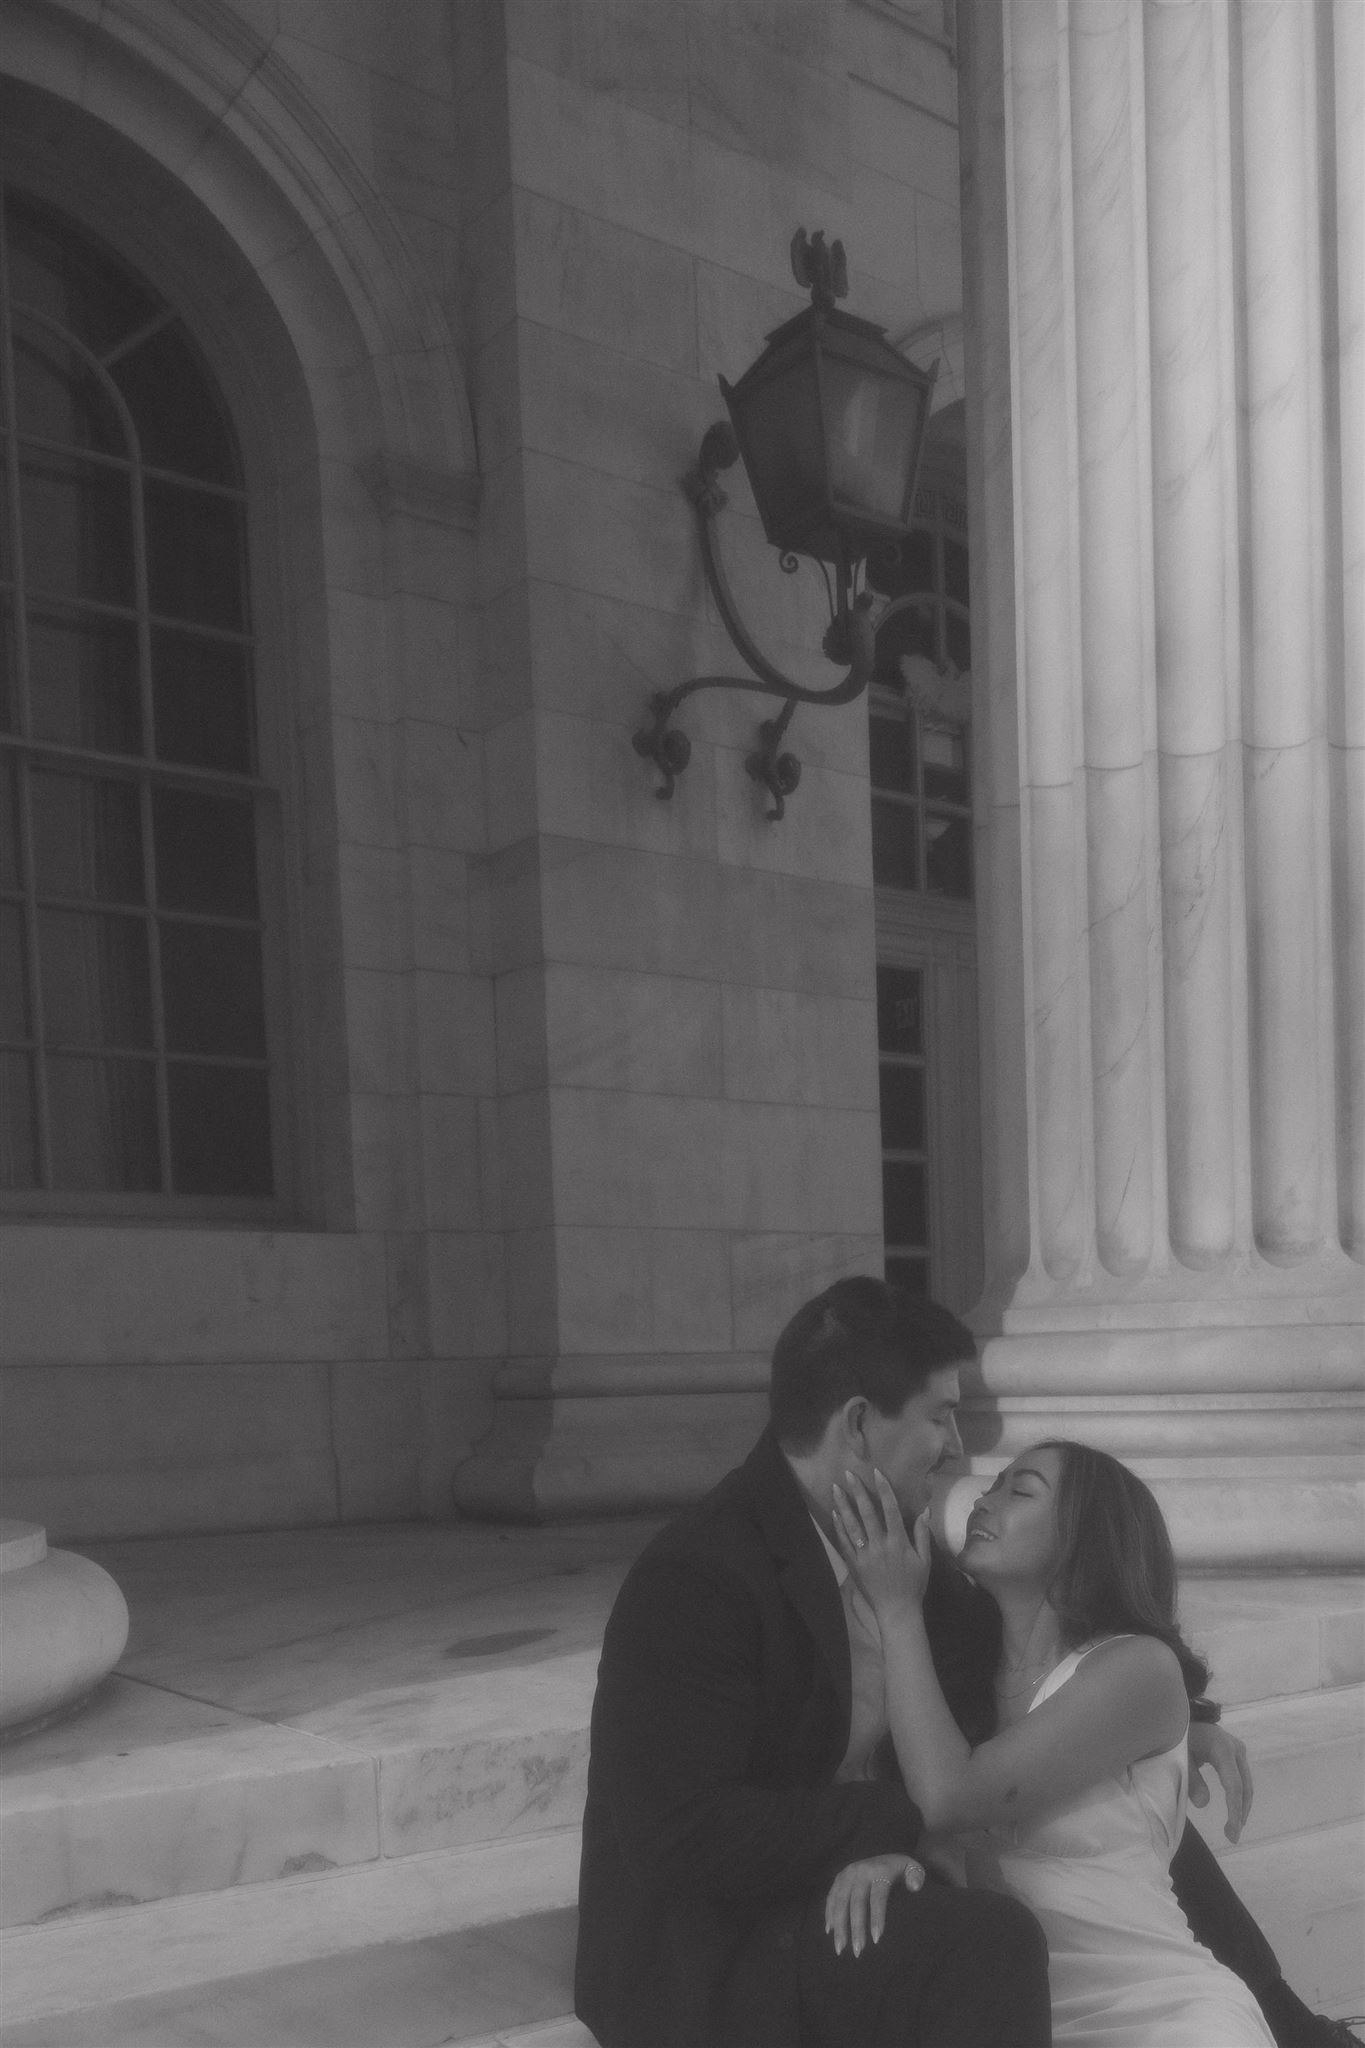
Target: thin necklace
{"x":1035,"y":1670}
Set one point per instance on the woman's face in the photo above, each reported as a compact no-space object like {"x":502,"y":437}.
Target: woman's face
{"x":1012,"y":1530}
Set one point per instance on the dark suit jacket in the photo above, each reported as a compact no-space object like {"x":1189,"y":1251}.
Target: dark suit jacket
{"x":721,"y":1716}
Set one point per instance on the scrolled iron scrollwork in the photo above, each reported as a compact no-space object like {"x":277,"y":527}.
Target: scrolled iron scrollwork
{"x":849,"y":639}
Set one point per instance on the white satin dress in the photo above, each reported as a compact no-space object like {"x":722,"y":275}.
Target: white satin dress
{"x":1125,"y":1970}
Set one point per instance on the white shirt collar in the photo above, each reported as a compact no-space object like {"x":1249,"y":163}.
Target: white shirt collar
{"x":837,"y":1565}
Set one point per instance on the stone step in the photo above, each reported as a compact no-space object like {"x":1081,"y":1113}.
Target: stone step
{"x":149,"y":1795}
{"x":131,"y":1953}
{"x":330,"y":1740}
{"x":1269,"y":1637}
{"x":1308,"y":1764}
{"x":563,"y":2033}
{"x":1308,"y":1892}
{"x":513,"y":1980}
{"x":1308,"y":1758}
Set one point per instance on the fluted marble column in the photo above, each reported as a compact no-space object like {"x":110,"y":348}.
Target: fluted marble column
{"x":1163,"y":396}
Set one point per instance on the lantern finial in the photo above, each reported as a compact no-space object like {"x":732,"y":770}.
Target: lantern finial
{"x":820,"y":266}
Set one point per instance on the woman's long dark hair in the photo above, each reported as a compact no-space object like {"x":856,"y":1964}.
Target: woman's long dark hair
{"x":1115,"y":1571}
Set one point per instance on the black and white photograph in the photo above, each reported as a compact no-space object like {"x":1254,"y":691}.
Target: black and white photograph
{"x":682,"y":1023}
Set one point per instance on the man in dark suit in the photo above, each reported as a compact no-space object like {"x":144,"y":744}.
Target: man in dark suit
{"x":749,"y":1876}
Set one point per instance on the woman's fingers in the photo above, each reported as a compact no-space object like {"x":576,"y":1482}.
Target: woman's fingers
{"x":867,"y":1506}
{"x":836,"y":1911}
{"x":857,"y":1914}
{"x":855,"y":1908}
{"x":848,"y":1523}
{"x":890,"y":1506}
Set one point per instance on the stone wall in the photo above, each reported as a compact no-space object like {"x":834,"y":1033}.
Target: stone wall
{"x":584,"y":1083}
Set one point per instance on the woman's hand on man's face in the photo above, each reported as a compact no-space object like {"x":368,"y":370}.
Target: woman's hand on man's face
{"x":889,"y":1564}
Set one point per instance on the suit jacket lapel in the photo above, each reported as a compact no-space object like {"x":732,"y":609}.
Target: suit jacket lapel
{"x":803,"y":1567}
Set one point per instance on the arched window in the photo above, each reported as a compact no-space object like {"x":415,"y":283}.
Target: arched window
{"x":135,"y":1043}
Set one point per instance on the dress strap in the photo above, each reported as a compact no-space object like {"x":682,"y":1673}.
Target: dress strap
{"x":1059,"y":1674}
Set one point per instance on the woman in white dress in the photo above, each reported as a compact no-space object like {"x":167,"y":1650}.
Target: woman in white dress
{"x":1076,"y":1803}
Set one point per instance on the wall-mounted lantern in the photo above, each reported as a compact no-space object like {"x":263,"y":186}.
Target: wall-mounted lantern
{"x":830,"y":424}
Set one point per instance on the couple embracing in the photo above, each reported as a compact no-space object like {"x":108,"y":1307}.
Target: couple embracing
{"x":846,"y":1794}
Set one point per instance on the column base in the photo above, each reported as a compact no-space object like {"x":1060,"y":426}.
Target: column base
{"x":1251,"y":1436}
{"x":1250,"y":1477}
{"x":575,"y":1437}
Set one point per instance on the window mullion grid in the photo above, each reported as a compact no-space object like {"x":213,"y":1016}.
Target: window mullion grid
{"x":163,"y":1106}
{"x":149,"y":877}
{"x":11,"y":419}
{"x":28,"y":878}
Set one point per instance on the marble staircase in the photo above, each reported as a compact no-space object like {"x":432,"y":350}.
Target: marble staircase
{"x":339,"y":1766}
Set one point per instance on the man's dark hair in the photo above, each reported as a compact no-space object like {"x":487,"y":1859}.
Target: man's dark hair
{"x":861,"y":1336}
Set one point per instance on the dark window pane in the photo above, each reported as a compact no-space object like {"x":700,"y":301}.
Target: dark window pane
{"x":87,"y":837}
{"x":14,"y":1012}
{"x":96,"y":988}
{"x":194,"y":556}
{"x":211,"y":984}
{"x":59,"y":399}
{"x":78,"y":528}
{"x":18,"y":1124}
{"x":948,"y":857}
{"x":205,"y":853}
{"x":177,"y":411}
{"x":917,"y":561}
{"x":202,"y":695}
{"x":6,"y":539}
{"x":9,"y":824}
{"x":220,"y":1131}
{"x":911,"y":1274}
{"x":83,"y":673}
{"x":103,"y":1119}
{"x":892,"y":754}
{"x":945,"y":766}
{"x":955,"y":578}
{"x":60,"y":271}
{"x":904,"y":1208}
{"x":900,"y":1025}
{"x":895,"y":845}
{"x":959,"y":642}
{"x":902,"y":1098}
{"x":9,"y":663}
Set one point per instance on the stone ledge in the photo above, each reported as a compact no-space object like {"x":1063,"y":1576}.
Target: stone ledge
{"x":135,"y":1952}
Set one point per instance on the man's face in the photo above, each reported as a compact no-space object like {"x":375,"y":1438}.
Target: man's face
{"x":910,"y":1447}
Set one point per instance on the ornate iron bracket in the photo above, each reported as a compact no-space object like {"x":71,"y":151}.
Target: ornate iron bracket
{"x":849,"y":639}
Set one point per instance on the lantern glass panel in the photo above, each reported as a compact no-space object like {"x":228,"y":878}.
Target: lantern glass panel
{"x":779,"y":426}
{"x":873,"y":436}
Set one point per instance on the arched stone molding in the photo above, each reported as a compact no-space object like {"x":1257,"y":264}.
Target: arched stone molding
{"x":208,"y":98}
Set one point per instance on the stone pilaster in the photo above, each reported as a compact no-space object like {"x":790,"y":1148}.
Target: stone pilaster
{"x":1163,"y":265}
